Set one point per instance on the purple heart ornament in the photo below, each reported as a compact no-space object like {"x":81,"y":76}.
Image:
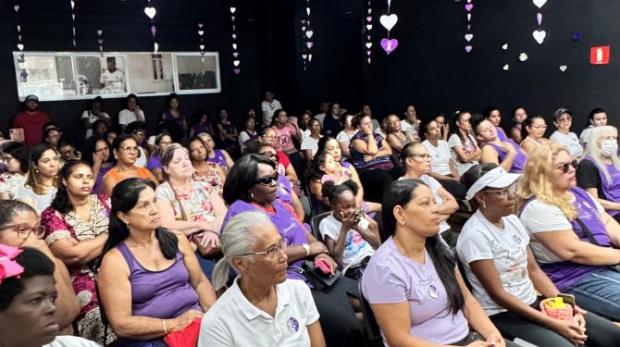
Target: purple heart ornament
{"x":237,"y":71}
{"x":309,"y":44}
{"x":539,"y":18}
{"x":154,"y":30}
{"x":468,"y":48}
{"x":369,"y":19}
{"x":469,"y":7}
{"x":200,"y":25}
{"x":389,"y":45}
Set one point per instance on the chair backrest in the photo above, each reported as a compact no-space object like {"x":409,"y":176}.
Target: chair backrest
{"x":315,"y":222}
{"x":373,"y":332}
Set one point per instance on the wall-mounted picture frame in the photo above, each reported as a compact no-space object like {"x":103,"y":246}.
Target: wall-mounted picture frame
{"x":196,"y":73}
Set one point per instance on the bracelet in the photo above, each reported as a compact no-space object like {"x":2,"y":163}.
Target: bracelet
{"x":165,"y":327}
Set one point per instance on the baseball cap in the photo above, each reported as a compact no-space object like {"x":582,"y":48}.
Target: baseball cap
{"x":31,"y":97}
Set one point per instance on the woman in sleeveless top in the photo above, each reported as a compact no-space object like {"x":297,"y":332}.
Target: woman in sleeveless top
{"x":149,"y":279}
{"x":173,"y":112}
{"x":125,"y":154}
{"x":462,"y":142}
{"x":533,"y":132}
{"x":519,"y":116}
{"x":228,"y":132}
{"x":214,"y":155}
{"x":572,"y":237}
{"x":396,"y":138}
{"x":211,"y":173}
{"x":505,"y":153}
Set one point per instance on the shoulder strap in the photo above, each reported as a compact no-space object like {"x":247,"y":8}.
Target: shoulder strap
{"x":587,"y":232}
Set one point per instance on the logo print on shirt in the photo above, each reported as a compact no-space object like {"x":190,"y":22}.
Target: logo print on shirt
{"x":292,"y":324}
{"x":433,"y":291}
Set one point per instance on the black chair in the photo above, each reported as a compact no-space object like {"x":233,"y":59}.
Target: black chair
{"x":315,"y":222}
{"x":370,"y":323}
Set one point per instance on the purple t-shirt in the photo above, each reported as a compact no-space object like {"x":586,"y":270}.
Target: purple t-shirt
{"x":518,"y":164}
{"x":154,"y":163}
{"x":611,"y":187}
{"x":285,"y":189}
{"x":219,"y":158}
{"x":286,"y":223}
{"x":392,"y":278}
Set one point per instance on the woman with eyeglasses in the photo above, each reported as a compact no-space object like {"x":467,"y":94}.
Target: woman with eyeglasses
{"x":188,"y":206}
{"x":533,"y":133}
{"x":216,"y":156}
{"x":284,"y":163}
{"x":15,"y":157}
{"x":42,"y":178}
{"x":252,"y":187}
{"x":98,"y":155}
{"x":563,"y":120}
{"x":599,"y":171}
{"x":417,"y":162}
{"x":572,"y":237}
{"x":125,"y":155}
{"x":76,"y":228}
{"x":19,"y":227}
{"x":204,"y":170}
{"x":462,"y":142}
{"x":255,"y":249}
{"x":494,"y":249}
{"x":505,"y":153}
{"x":414,"y":288}
{"x":150,"y":282}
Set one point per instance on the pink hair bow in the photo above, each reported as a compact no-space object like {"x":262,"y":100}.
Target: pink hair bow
{"x":8,"y":266}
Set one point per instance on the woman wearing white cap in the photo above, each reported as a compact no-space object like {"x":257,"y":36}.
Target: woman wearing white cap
{"x":499,"y":264}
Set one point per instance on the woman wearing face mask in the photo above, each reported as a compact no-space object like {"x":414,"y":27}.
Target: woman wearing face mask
{"x":563,"y":119}
{"x":41,"y":181}
{"x":533,"y":132}
{"x":599,"y":171}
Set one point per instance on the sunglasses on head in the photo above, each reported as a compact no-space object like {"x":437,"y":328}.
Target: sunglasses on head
{"x":566,"y":166}
{"x":267,"y":179}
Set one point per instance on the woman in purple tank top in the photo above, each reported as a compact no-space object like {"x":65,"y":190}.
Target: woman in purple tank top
{"x":503,"y":152}
{"x":214,"y":155}
{"x":173,"y":113}
{"x":149,"y":279}
{"x":572,"y":237}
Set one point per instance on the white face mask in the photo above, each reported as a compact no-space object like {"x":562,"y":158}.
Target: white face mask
{"x":609,"y":147}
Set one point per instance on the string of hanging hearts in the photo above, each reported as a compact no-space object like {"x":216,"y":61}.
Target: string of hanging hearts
{"x":73,"y":22}
{"x":539,"y":34}
{"x":21,"y":61}
{"x":150,"y":12}
{"x":368,"y":27}
{"x":202,"y":44}
{"x":306,"y":38}
{"x":468,"y":35}
{"x":100,"y":41}
{"x":389,"y":21}
{"x":235,"y":45}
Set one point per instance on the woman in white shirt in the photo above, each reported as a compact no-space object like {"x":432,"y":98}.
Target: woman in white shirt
{"x":563,"y":119}
{"x":15,"y":157}
{"x":42,"y":179}
{"x":462,"y":142}
{"x":344,"y":137}
{"x":310,"y":145}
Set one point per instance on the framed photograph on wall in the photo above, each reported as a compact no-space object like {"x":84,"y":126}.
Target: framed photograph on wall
{"x":196,"y":73}
{"x":150,"y":74}
{"x":103,"y":76}
{"x":50,"y":76}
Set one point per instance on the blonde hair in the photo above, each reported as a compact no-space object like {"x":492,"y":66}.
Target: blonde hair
{"x":537,"y":179}
{"x":594,"y":151}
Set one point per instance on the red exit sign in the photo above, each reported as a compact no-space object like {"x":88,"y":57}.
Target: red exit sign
{"x":599,"y":55}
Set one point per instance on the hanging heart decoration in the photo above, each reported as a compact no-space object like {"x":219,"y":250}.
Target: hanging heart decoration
{"x":368,"y":32}
{"x":388,"y":21}
{"x":235,"y":53}
{"x":233,"y":9}
{"x":469,"y":7}
{"x":539,"y":36}
{"x":563,"y":68}
{"x":236,"y":62}
{"x":369,"y":27}
{"x":237,"y":71}
{"x":20,"y":44}
{"x":506,"y":67}
{"x":389,"y":45}
{"x":100,"y":41}
{"x":539,"y":33}
{"x":505,"y":46}
{"x":368,"y":45}
{"x":540,"y":3}
{"x":155,"y":47}
{"x":150,"y":12}
{"x":309,"y":33}
{"x":201,"y":44}
{"x":523,"y":57}
{"x":16,"y":8}
{"x":72,"y":3}
{"x":468,"y":48}
{"x":306,"y":37}
{"x":309,"y":44}
{"x":468,"y":37}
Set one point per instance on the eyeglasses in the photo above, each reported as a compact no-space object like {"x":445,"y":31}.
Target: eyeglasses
{"x":24,"y":229}
{"x":271,"y":251}
{"x":270,"y":155}
{"x":129,"y":149}
{"x":271,"y":136}
{"x":566,"y":166}
{"x":539,"y":126}
{"x":268,"y":179}
{"x":510,"y":191}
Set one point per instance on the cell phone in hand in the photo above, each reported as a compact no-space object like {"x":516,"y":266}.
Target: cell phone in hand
{"x":569,"y":299}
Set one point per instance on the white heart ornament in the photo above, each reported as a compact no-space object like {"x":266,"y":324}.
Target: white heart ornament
{"x":388,"y":22}
{"x":236,"y":63}
{"x":99,"y":32}
{"x":539,"y":36}
{"x":308,"y":10}
{"x":202,"y":47}
{"x":468,"y":37}
{"x":233,"y":9}
{"x":369,"y":27}
{"x":156,"y":47}
{"x":16,"y":8}
{"x":234,"y":46}
{"x":563,"y":68}
{"x":200,"y":32}
{"x":303,"y":28}
{"x":523,"y":57}
{"x":150,"y":12}
{"x":368,"y":45}
{"x":304,"y":56}
{"x":469,"y":17}
{"x":309,"y":33}
{"x":72,"y":4}
{"x":20,"y":46}
{"x":19,"y":29}
{"x":540,"y":3}
{"x":505,"y":46}
{"x":506,"y":67}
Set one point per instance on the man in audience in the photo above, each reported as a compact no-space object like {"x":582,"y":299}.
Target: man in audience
{"x":323,"y":108}
{"x":269,"y":106}
{"x":31,"y":120}
{"x":596,"y":118}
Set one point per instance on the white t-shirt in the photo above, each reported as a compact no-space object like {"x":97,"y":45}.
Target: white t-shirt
{"x":41,"y":202}
{"x":71,"y":341}
{"x":142,"y":159}
{"x":304,"y":134}
{"x":344,"y":137}
{"x":310,"y":143}
{"x":571,"y":141}
{"x":92,"y":119}
{"x":355,"y":247}
{"x":234,"y":321}
{"x":440,"y":157}
{"x":243,"y":137}
{"x":125,"y":117}
{"x":114,"y":82}
{"x":540,"y":217}
{"x":468,"y":147}
{"x":269,"y":109}
{"x":412,"y":129}
{"x":320,"y":117}
{"x":507,"y":248}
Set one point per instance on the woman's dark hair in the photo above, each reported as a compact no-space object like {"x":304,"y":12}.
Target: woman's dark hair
{"x":315,"y":120}
{"x":276,"y":114}
{"x":475,"y":121}
{"x":124,"y":198}
{"x":424,"y":126}
{"x":46,"y":133}
{"x":313,"y":170}
{"x":195,"y":139}
{"x":331,"y":106}
{"x":323,"y":142}
{"x":513,"y":113}
{"x":135,"y":126}
{"x":35,"y":263}
{"x":332,"y":190}
{"x":256,"y":147}
{"x":132,"y":96}
{"x":242,"y":177}
{"x":401,"y":193}
{"x":487,"y":112}
{"x":454,"y":127}
{"x":10,"y":208}
{"x":91,"y":146}
{"x":593,"y":112}
{"x":19,"y":151}
{"x":100,"y":121}
{"x":196,"y":116}
{"x":120,"y":139}
{"x":170,"y":97}
{"x":97,"y":99}
{"x":62,"y":202}
{"x":528,"y":123}
{"x":358,"y":119}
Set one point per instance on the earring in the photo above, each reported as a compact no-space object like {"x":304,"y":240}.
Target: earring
{"x":484,"y":205}
{"x":251,"y":196}
{"x":402,"y":222}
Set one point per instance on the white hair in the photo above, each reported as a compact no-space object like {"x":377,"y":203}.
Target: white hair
{"x":238,"y":238}
{"x":594,"y":151}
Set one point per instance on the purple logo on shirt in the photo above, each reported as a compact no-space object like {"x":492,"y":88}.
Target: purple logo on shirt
{"x":516,"y":239}
{"x":433,"y":291}
{"x":293,"y":324}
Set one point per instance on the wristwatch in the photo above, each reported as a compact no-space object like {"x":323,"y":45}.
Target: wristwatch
{"x":306,"y":247}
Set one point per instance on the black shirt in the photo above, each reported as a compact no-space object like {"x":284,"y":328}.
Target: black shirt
{"x":588,"y":176}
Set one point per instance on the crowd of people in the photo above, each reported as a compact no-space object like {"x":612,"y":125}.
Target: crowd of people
{"x":280,"y":234}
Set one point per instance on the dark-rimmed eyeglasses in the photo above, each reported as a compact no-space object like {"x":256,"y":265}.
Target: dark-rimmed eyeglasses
{"x":510,"y":191}
{"x":24,"y":230}
{"x":270,"y":155}
{"x":270,"y":252}
{"x":566,"y":166}
{"x":268,"y":179}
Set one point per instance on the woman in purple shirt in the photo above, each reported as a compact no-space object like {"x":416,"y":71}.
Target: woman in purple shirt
{"x":497,"y":149}
{"x":149,"y":279}
{"x":414,"y":288}
{"x":572,"y":237}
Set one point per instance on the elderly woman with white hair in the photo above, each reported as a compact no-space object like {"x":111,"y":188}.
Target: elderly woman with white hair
{"x":599,"y":171}
{"x":262,"y":307}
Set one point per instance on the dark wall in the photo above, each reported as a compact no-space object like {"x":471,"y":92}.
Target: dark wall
{"x":46,"y":26}
{"x":431,"y":69}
